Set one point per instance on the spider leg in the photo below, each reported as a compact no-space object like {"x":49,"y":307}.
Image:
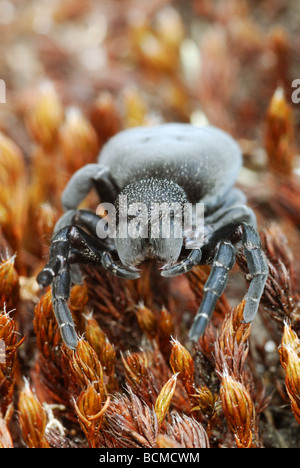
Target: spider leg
{"x":59,"y":252}
{"x":117,"y":270}
{"x":233,"y":212}
{"x":258,"y":270}
{"x":61,"y":287}
{"x":73,"y":245}
{"x":223,"y":262}
{"x":82,"y":182}
{"x":57,"y":271}
{"x":184,"y":266}
{"x":87,"y":220}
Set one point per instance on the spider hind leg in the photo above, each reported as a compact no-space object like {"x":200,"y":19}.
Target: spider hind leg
{"x":258,"y":271}
{"x":223,"y":262}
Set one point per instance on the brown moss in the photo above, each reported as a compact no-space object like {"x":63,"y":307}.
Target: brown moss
{"x":135,"y":380}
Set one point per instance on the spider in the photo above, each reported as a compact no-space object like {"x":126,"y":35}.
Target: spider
{"x":168,"y":163}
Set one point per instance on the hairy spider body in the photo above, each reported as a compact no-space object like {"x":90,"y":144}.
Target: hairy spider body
{"x":167,"y":164}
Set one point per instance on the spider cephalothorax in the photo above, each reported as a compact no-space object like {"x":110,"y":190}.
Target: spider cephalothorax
{"x":151,"y":176}
{"x":143,"y":203}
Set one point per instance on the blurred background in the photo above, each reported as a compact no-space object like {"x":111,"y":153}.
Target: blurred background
{"x":188,"y":60}
{"x":76,"y":72}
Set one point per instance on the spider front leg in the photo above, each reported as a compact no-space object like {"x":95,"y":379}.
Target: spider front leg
{"x":57,"y":272}
{"x":61,"y":287}
{"x":193,"y":259}
{"x":223,"y":262}
{"x":73,"y":245}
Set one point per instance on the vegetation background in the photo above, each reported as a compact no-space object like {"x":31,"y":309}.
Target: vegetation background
{"x":77,"y":72}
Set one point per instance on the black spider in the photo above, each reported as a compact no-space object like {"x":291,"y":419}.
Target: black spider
{"x":173,"y":164}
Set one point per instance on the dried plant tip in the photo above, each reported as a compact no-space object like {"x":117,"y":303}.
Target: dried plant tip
{"x":45,"y":326}
{"x":163,"y":400}
{"x":156,"y":45}
{"x":235,"y":327}
{"x":90,"y":410}
{"x":279,"y":135}
{"x":276,"y":245}
{"x":5,"y":437}
{"x":78,"y":301}
{"x":11,"y":161}
{"x":139,"y":376}
{"x":280,"y":296}
{"x":292,"y":381}
{"x":164,"y":442}
{"x":239,"y":411}
{"x":207,"y":402}
{"x":290,"y":359}
{"x":290,"y":342}
{"x":9,"y":283}
{"x":101,"y":344}
{"x":166,"y":323}
{"x":78,"y":140}
{"x":94,"y":335}
{"x":187,"y":431}
{"x":45,"y":116}
{"x":89,"y":404}
{"x":49,"y":377}
{"x":107,"y":357}
{"x":13,"y":196}
{"x":280,"y":45}
{"x":147,"y":320}
{"x":9,"y":340}
{"x":182,"y":363}
{"x":135,"y":108}
{"x":231,"y":346}
{"x":8,"y":332}
{"x":105,"y":117}
{"x":86,"y":367}
{"x":46,"y":218}
{"x":130,"y":423}
{"x":136,"y":365}
{"x":32,"y":418}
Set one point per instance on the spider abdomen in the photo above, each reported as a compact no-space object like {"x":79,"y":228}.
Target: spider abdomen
{"x":204,"y":161}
